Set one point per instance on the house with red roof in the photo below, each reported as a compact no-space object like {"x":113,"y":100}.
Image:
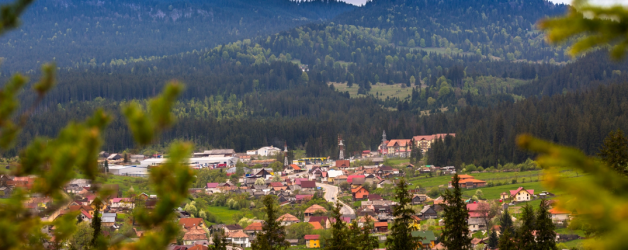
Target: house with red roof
{"x":312,"y":241}
{"x":188,"y":223}
{"x":343,"y":164}
{"x":558,"y":215}
{"x":359,"y":193}
{"x":424,"y":142}
{"x":350,"y":178}
{"x":212,"y":188}
{"x":399,"y":147}
{"x":468,"y":182}
{"x":381,"y":227}
{"x":521,"y":194}
{"x":308,"y":185}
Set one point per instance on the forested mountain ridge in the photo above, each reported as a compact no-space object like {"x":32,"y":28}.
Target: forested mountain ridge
{"x":498,"y":28}
{"x":76,"y":32}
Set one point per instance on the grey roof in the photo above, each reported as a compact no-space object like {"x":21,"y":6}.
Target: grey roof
{"x":426,"y":208}
{"x":109,"y":215}
{"x":109,"y":219}
{"x":219,"y":151}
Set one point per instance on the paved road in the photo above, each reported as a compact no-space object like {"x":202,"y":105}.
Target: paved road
{"x":331,"y":195}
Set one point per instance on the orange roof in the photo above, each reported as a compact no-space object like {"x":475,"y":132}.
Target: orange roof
{"x":381,"y":224}
{"x":355,"y":190}
{"x":256,"y":226}
{"x":314,"y":208}
{"x":190,"y":222}
{"x":363,"y":219}
{"x":400,"y":142}
{"x":288,"y":218}
{"x":295,"y":167}
{"x":195,"y":234}
{"x":341,"y":177}
{"x":316,"y":225}
{"x":472,"y":180}
{"x":464,"y":176}
{"x":237,"y":234}
{"x":558,"y":211}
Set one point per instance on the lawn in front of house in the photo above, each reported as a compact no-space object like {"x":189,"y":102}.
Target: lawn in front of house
{"x":225,"y":215}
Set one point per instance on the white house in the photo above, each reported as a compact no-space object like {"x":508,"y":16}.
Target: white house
{"x":239,"y":238}
{"x":122,"y":203}
{"x":558,"y":216}
{"x":521,"y":194}
{"x":268,"y":151}
{"x":251,"y":152}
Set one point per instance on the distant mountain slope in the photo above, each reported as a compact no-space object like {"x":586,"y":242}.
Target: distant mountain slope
{"x":499,"y":28}
{"x":75,"y":32}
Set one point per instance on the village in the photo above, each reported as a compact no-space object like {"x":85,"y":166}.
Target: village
{"x":306,"y":190}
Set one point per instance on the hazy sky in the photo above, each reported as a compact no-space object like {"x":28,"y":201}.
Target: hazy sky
{"x":603,"y":2}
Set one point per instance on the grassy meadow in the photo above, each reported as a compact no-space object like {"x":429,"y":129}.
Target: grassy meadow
{"x":385,"y":90}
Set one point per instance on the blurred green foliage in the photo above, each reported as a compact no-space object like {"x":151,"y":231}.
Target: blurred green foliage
{"x":592,"y":26}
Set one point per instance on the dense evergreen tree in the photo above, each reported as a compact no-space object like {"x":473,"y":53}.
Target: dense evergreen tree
{"x":545,"y":235}
{"x":493,"y":240}
{"x":506,"y":241}
{"x":340,"y":235}
{"x":614,"y":151}
{"x":273,"y":234}
{"x":456,"y":230}
{"x":505,"y":222}
{"x":400,"y":236}
{"x":525,"y":239}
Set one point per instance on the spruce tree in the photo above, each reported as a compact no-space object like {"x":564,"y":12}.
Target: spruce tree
{"x":506,"y":222}
{"x":456,"y":230}
{"x":273,"y":235}
{"x":219,"y":241}
{"x":493,"y":240}
{"x":545,"y":234}
{"x":525,"y":238}
{"x":400,"y":237}
{"x":614,"y":151}
{"x":505,"y":241}
{"x":364,"y":238}
{"x":339,"y":235}
{"x":96,"y":221}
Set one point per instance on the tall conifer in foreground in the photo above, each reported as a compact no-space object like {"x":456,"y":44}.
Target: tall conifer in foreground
{"x":456,"y":230}
{"x":400,"y":237}
{"x":339,"y":233}
{"x":273,"y":234}
{"x":545,"y":234}
{"x":525,"y":239}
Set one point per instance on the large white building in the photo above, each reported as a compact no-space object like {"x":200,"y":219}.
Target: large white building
{"x":267,"y":151}
{"x":196,"y":162}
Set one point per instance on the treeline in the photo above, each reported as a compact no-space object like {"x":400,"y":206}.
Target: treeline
{"x":589,"y":71}
{"x":498,"y":28}
{"x":342,"y":54}
{"x":75,"y":32}
{"x":486,"y":137}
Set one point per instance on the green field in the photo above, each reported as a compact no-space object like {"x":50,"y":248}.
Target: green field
{"x":384,"y":90}
{"x":139,"y":184}
{"x":488,"y":177}
{"x":492,"y":193}
{"x":225,"y":215}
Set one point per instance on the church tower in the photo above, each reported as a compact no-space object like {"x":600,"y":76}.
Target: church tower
{"x":341,"y":146}
{"x":384,"y":144}
{"x":285,"y":154}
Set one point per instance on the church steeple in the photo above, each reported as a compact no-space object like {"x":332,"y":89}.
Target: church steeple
{"x":341,"y":155}
{"x":384,"y":144}
{"x":285,"y":154}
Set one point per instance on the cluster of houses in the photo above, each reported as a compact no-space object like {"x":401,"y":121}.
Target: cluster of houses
{"x":296,"y":184}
